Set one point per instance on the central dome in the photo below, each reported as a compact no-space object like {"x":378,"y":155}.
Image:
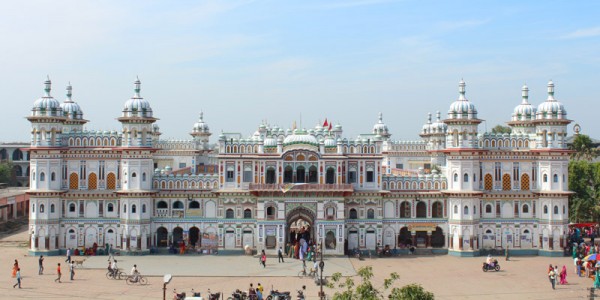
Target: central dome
{"x":300,"y":137}
{"x":137,"y":106}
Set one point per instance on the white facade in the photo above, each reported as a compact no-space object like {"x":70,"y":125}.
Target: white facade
{"x":456,"y":190}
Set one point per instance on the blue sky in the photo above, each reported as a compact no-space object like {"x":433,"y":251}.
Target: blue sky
{"x":246,"y":61}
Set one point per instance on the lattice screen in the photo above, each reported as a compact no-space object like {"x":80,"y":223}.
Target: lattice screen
{"x":506,"y":186}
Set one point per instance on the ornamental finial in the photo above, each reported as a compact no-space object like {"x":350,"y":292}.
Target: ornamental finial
{"x":47,"y":86}
{"x":462,"y":90}
{"x":137,"y":89}
{"x":69,"y":92}
{"x":551,"y":91}
{"x":525,"y":94}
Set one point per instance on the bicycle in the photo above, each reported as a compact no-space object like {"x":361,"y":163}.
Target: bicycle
{"x":116,"y":275}
{"x":140,"y":279}
{"x":303,"y":273}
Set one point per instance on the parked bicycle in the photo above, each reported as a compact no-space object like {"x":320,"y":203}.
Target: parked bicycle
{"x":303,"y":273}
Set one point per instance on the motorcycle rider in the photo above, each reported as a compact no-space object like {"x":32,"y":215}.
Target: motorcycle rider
{"x":489,"y":261}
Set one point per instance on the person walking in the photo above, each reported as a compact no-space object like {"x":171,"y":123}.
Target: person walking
{"x":552,"y":278}
{"x":597,"y":279}
{"x":41,"y":265}
{"x":563,"y":275}
{"x":58,"y":274}
{"x":280,"y":255}
{"x":68,"y":260}
{"x":72,"y":269}
{"x":263,"y":259}
{"x":18,"y":275}
{"x":15,"y":268}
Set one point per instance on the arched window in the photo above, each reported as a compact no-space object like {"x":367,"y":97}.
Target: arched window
{"x":194,"y":204}
{"x":271,"y":213}
{"x":52,"y":176}
{"x":330,"y":176}
{"x":133,"y":209}
{"x":353,"y":214}
{"x":525,"y":208}
{"x":143,"y":176}
{"x":456,"y":209}
{"x":466,"y":210}
{"x":564,"y":209}
{"x":466,"y":177}
{"x":545,"y":209}
{"x":455,"y":177}
{"x":270,"y":176}
{"x":133,"y":175}
{"x":124,"y":208}
{"x":488,"y":209}
{"x":229,"y":213}
{"x":247,"y":213}
{"x":178,"y":205}
{"x":41,"y":208}
{"x":474,"y":210}
{"x":143,"y":208}
{"x":370,"y":213}
{"x":110,"y":207}
{"x":51,"y":208}
{"x":437,"y":210}
{"x":545,"y":178}
{"x":162,"y":204}
{"x":42,"y":176}
{"x":72,"y":207}
{"x":555,"y":178}
{"x":330,"y":213}
{"x":33,"y":208}
{"x":556,"y":210}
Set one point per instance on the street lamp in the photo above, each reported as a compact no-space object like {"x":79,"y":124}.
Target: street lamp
{"x":321,"y":266}
{"x":166,"y":280}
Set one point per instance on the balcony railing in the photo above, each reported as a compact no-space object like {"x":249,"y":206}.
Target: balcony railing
{"x":299,"y":187}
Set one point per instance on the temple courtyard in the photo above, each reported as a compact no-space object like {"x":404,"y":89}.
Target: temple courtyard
{"x":446,"y":276}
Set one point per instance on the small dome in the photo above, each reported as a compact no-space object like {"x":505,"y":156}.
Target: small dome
{"x":427,"y":126}
{"x":270,"y":142}
{"x":330,"y":142}
{"x":524,"y":111}
{"x":70,"y":109}
{"x":462,"y":108}
{"x":438,"y":126}
{"x":380,"y":127}
{"x":300,"y":137}
{"x":137,"y":106}
{"x":47,"y":105}
{"x":551,"y":108}
{"x":200,"y":126}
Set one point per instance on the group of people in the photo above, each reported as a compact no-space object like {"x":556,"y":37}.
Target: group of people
{"x":255,"y":293}
{"x":557,"y":277}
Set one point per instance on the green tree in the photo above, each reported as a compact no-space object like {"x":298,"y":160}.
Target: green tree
{"x":411,"y":292}
{"x":6,"y":171}
{"x":584,"y":181}
{"x":499,"y":129}
{"x":584,"y":148}
{"x":366,"y":291}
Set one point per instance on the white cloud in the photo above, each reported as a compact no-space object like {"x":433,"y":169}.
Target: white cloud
{"x":583,"y":33}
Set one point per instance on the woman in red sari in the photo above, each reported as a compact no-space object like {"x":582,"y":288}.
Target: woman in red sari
{"x":563,"y":275}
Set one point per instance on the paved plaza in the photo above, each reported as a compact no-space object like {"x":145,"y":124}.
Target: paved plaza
{"x":446,"y":276}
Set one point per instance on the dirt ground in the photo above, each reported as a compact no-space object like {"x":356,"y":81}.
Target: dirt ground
{"x":446,"y":276}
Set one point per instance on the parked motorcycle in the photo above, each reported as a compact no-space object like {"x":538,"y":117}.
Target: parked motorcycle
{"x":238,"y":295}
{"x":277,"y":295}
{"x":493,"y":266}
{"x":178,"y":296}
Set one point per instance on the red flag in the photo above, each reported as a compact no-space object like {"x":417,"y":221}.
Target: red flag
{"x":330,"y":126}
{"x":325,"y":124}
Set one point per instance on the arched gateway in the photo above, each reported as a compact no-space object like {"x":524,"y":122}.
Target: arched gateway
{"x":300,"y":223}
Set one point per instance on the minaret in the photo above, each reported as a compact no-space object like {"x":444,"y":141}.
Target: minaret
{"x":137,"y":169}
{"x":46,"y":120}
{"x":462,"y":122}
{"x":201,"y":132}
{"x":45,"y":180}
{"x":72,"y":112}
{"x":381,"y":129}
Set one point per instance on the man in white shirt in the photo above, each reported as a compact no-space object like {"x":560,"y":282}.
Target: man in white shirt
{"x":114,"y":268}
{"x":134,"y":273}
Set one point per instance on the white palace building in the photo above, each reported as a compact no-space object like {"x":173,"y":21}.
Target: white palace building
{"x":455,"y":190}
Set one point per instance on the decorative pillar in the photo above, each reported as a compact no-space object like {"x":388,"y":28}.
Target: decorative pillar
{"x":551,"y":243}
{"x":460,"y":242}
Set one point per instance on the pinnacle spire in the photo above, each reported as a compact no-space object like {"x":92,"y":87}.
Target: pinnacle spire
{"x":47,"y":86}
{"x":525,"y":94}
{"x":550,"y":91}
{"x":462,"y":90}
{"x":137,"y":89}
